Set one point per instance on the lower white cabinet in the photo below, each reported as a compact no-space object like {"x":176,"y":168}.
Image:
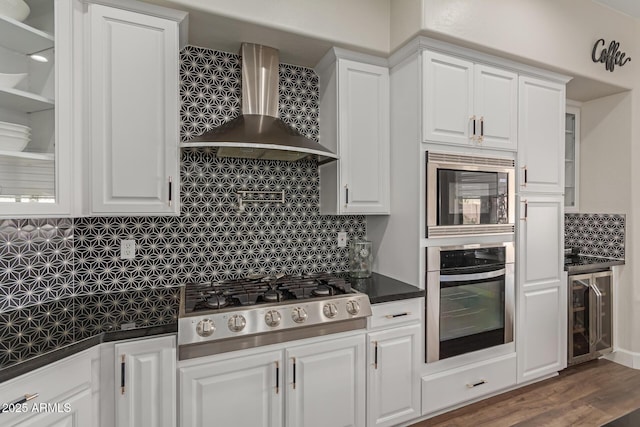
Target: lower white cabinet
{"x":469,"y":382}
{"x":393,"y":355}
{"x":541,"y":318}
{"x":145,"y":393}
{"x":64,"y":390}
{"x":317,"y":384}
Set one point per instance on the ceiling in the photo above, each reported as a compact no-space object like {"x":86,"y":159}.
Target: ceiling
{"x":628,"y":7}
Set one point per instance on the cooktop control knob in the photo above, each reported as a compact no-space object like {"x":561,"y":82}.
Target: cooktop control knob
{"x":205,"y":328}
{"x":272,"y":318}
{"x":299,"y":315}
{"x":353,"y":307}
{"x":330,"y":310}
{"x":237,"y":322}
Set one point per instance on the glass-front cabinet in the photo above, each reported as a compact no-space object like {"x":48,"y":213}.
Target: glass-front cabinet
{"x":35,"y":108}
{"x":590,"y":317}
{"x":572,"y":158}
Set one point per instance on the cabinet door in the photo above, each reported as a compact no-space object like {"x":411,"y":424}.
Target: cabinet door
{"x":393,"y":388}
{"x":541,"y":126}
{"x":36,"y":178}
{"x":496,"y":107}
{"x":542,"y":291}
{"x":244,"y":391}
{"x":325,"y":384}
{"x":447,"y":99}
{"x":134,"y":113}
{"x":146,"y":383}
{"x":363,"y":108}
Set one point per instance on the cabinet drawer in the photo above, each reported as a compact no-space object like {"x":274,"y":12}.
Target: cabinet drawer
{"x":396,"y":312}
{"x":467,"y":383}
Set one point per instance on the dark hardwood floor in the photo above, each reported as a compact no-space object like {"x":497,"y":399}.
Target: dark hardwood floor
{"x":591,"y":394}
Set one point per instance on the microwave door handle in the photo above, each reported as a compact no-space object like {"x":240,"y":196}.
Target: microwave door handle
{"x":474,"y":276}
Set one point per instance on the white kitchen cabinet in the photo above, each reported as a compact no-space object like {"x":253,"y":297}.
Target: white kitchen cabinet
{"x":37,"y":180}
{"x":469,"y":104}
{"x":242,"y":391}
{"x":133,"y":108}
{"x":541,"y":123}
{"x":541,"y":326}
{"x":393,"y":388}
{"x":326,"y":384}
{"x":354,"y":112}
{"x":64,"y":391}
{"x":321,"y":383}
{"x":145,"y":392}
{"x":572,"y":158}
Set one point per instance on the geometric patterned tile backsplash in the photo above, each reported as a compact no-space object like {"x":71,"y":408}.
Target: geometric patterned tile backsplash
{"x":48,"y":259}
{"x":600,"y":235}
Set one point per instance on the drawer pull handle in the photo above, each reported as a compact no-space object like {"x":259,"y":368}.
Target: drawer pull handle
{"x":23,"y":399}
{"x":392,"y":316}
{"x":477,"y":384}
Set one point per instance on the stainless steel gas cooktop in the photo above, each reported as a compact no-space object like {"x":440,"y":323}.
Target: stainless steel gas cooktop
{"x":259,"y":310}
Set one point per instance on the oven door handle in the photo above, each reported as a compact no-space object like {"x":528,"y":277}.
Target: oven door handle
{"x":474,"y":276}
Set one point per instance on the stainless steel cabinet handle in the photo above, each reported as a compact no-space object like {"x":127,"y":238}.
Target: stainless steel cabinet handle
{"x":22,"y":399}
{"x":526,"y":210}
{"x":393,"y":316}
{"x":473,"y":134}
{"x":598,"y":294}
{"x":481,"y":127}
{"x":524,"y":177}
{"x":170,"y":190}
{"x":277,"y":377}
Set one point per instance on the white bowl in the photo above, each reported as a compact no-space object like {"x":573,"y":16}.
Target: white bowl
{"x":14,"y":126}
{"x":15,"y":134}
{"x":15,"y":9}
{"x":11,"y":80}
{"x":12,"y":143}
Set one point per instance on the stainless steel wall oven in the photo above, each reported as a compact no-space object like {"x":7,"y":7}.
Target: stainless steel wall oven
{"x":469,"y":195}
{"x":470,"y":298}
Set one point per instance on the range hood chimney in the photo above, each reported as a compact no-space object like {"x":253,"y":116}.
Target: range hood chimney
{"x":258,"y":133}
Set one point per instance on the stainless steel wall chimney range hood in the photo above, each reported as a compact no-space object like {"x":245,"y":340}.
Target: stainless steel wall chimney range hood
{"x":258,"y":133}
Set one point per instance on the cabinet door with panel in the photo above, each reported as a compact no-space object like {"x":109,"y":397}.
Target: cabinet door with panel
{"x":542,"y":295}
{"x":133,"y":88}
{"x":354,"y":110}
{"x":243,"y":391}
{"x":469,"y":104}
{"x":325,"y":383}
{"x":146,"y":386}
{"x":393,"y":389}
{"x":541,"y":133}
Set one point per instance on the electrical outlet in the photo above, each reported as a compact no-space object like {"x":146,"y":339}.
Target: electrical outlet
{"x":127,"y":249}
{"x":342,"y":239}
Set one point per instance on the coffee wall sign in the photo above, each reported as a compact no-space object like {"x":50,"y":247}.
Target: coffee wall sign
{"x":609,"y":56}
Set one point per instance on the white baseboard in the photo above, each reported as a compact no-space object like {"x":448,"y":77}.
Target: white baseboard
{"x":625,"y":357}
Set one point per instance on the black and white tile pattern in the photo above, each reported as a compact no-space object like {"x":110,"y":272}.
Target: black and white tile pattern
{"x":62,"y":280}
{"x":600,"y":235}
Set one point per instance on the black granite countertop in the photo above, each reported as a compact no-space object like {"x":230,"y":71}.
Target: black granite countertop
{"x":36,"y":335}
{"x":577,"y":264}
{"x":381,"y":288}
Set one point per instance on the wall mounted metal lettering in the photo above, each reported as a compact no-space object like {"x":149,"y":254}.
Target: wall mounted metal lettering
{"x":610,"y":56}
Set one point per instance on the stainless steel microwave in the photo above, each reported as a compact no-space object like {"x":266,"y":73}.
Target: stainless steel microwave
{"x":469,"y":195}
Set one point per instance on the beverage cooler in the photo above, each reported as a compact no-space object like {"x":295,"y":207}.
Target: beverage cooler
{"x":590,"y":318}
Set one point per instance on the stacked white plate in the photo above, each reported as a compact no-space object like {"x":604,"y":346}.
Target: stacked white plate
{"x":14,"y":137}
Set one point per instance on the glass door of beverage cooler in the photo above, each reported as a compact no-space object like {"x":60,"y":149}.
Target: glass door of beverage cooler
{"x":590,"y":316}
{"x":580,"y":319}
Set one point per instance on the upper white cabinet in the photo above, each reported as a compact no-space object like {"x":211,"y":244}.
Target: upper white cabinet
{"x":36,"y":112}
{"x":572,"y":158}
{"x":145,"y":394}
{"x":354,"y":112}
{"x":133,"y":106}
{"x":541,"y":152}
{"x":469,"y":104}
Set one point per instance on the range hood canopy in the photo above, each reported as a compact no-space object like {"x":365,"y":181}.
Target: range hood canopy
{"x":258,"y":133}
